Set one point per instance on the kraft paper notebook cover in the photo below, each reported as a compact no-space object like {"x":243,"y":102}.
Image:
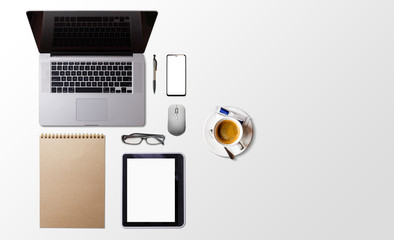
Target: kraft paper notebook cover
{"x":72,"y":181}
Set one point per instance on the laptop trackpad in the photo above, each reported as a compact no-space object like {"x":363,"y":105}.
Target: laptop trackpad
{"x":91,"y":109}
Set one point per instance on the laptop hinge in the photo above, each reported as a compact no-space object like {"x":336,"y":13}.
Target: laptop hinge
{"x":53,"y":54}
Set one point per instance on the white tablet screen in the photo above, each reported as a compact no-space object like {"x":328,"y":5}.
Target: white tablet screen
{"x":151,"y":190}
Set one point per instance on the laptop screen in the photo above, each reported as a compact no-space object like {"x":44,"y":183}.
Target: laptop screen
{"x":91,"y":31}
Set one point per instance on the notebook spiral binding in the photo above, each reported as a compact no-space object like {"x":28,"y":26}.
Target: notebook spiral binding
{"x":71,"y":135}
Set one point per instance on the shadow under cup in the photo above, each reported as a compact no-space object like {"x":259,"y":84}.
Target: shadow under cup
{"x":228,"y":131}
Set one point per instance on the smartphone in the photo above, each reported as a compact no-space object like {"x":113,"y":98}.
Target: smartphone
{"x":176,"y":75}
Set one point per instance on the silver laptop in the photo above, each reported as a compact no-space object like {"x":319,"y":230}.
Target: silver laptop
{"x":92,"y":67}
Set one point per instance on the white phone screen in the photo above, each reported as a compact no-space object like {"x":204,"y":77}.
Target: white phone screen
{"x":176,"y":75}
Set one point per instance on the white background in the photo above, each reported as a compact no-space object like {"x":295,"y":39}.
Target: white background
{"x":315,"y":76}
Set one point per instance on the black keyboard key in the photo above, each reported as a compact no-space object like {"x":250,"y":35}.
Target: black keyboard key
{"x":64,"y":79}
{"x":129,"y":73}
{"x":73,"y":73}
{"x":59,"y":90}
{"x":127,"y":68}
{"x":65,"y":63}
{"x":59,"y":67}
{"x":128,"y":63}
{"x":117,"y":91}
{"x":94,"y":84}
{"x":125,"y":84}
{"x":68,"y":78}
{"x":124,"y":73}
{"x":123,"y":89}
{"x":71,"y":90}
{"x":64,"y":68}
{"x":117,"y":63}
{"x":53,"y":89}
{"x":106,"y":84}
{"x":55,"y":78}
{"x":100,"y":84}
{"x":115,"y":68}
{"x":83,"y":84}
{"x":59,"y":63}
{"x":77,"y":84}
{"x":117,"y":84}
{"x":88,"y":84}
{"x":61,"y":73}
{"x":89,"y":90}
{"x":66,"y":84}
{"x":55,"y":73}
{"x":72,"y":84}
{"x":127,"y":79}
{"x":106,"y":90}
{"x":57,"y":84}
{"x":65,"y":90}
{"x":53,"y":68}
{"x":113,"y":79}
{"x":123,"y":63}
{"x":121,"y":68}
{"x":112,"y":89}
{"x":91,"y":79}
{"x":53,"y":63}
{"x":128,"y":91}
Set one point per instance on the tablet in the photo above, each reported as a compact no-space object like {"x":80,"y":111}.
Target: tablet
{"x":153,"y":190}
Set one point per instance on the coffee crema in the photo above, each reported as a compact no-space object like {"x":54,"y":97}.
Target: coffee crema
{"x":227,"y":132}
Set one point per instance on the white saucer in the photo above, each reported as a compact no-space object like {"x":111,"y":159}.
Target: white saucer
{"x":215,"y":146}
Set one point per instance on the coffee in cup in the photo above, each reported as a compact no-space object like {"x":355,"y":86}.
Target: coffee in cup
{"x":228,"y":131}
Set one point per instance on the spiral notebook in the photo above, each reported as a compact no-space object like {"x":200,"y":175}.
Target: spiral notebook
{"x":72,"y":181}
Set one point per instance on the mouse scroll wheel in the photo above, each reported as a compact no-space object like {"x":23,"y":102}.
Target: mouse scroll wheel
{"x":176,"y":110}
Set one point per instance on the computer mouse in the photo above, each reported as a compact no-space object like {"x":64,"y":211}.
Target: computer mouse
{"x":176,"y":119}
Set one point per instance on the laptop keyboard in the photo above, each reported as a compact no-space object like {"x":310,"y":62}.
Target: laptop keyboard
{"x":91,"y":77}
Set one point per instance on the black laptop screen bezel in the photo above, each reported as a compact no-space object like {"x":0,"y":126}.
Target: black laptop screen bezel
{"x":140,"y":26}
{"x":179,"y":190}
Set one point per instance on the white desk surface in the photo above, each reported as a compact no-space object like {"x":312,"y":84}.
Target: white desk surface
{"x":315,"y":76}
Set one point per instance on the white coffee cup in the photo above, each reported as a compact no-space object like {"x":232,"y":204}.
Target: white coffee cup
{"x":228,"y":132}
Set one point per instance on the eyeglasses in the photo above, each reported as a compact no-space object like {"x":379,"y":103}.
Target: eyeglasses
{"x":136,"y":138}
